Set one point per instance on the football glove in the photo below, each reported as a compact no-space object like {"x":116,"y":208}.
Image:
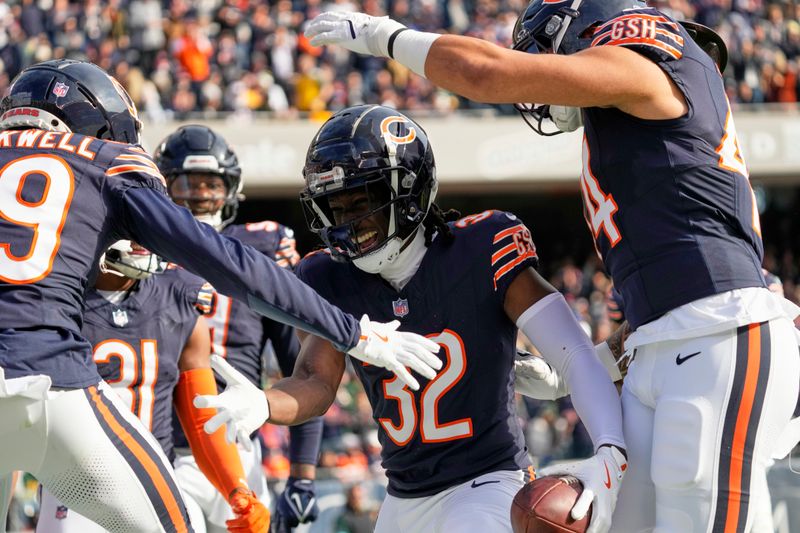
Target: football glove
{"x":601,"y":476}
{"x":383,"y":346}
{"x":355,"y":31}
{"x":251,"y":515}
{"x":242,"y":405}
{"x":535,"y":378}
{"x":297,"y":505}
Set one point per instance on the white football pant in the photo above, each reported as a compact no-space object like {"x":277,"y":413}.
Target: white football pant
{"x":481,"y":505}
{"x":92,"y":453}
{"x":701,"y":418}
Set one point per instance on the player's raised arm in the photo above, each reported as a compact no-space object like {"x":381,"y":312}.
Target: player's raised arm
{"x":536,"y":70}
{"x":244,"y":273}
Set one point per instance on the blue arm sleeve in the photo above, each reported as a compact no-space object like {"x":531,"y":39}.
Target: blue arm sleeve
{"x":304,"y":442}
{"x":235,"y":269}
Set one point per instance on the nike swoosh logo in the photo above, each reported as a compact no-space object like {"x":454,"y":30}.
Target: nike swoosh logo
{"x":386,"y":338}
{"x":607,"y":482}
{"x":476,"y":485}
{"x":680,"y":360}
{"x":352,"y":29}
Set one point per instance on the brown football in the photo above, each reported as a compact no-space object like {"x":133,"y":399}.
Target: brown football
{"x":543,"y":506}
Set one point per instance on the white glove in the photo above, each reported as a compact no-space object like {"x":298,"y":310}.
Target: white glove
{"x":242,"y":405}
{"x":601,"y":476}
{"x":382,"y":345}
{"x":355,"y":31}
{"x":535,"y":378}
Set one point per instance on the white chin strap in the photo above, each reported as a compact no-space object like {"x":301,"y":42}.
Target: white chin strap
{"x":395,"y":266}
{"x":375,"y":262}
{"x":215,"y":220}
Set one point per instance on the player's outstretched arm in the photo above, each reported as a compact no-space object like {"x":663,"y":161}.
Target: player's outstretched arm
{"x":311,"y":389}
{"x":218,"y":459}
{"x":485,"y":72}
{"x":242,"y":272}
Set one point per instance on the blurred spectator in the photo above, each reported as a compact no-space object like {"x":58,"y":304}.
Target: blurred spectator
{"x":359,"y":515}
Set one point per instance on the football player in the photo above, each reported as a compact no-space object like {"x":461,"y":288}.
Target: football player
{"x":453,"y":450}
{"x":668,"y":199}
{"x":152,"y":345}
{"x":73,"y":180}
{"x":203,"y":174}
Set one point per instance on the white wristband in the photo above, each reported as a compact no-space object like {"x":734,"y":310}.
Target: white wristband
{"x":411,"y":49}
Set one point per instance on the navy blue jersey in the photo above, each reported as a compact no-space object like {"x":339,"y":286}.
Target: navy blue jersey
{"x":238,"y":333}
{"x":138,"y":343}
{"x":462,"y":423}
{"x":64,"y":198}
{"x":669,"y":201}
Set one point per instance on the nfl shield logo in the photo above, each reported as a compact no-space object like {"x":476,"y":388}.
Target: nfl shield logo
{"x":61,"y":512}
{"x":400,"y":307}
{"x":60,"y":89}
{"x":120,"y":317}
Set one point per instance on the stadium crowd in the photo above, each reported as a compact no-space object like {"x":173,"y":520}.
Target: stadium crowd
{"x":178,"y":57}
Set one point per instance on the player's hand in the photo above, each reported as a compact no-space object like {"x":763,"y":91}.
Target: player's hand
{"x":297,"y":505}
{"x":242,"y":405}
{"x":355,"y":31}
{"x":382,"y":345}
{"x":535,"y":378}
{"x":601,"y":476}
{"x":251,"y":515}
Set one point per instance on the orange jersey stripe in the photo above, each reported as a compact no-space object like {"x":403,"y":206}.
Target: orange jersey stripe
{"x":172,"y":505}
{"x":674,"y":52}
{"x":506,"y":232}
{"x":503,"y":252}
{"x":139,"y":159}
{"x":502,"y":271}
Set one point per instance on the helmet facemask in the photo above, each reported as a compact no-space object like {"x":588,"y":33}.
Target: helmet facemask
{"x":125,"y":259}
{"x":387,"y":222}
{"x":210,"y":197}
{"x":545,"y":38}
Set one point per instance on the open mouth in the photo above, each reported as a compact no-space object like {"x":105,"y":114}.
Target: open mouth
{"x":366,"y":239}
{"x":202,"y":207}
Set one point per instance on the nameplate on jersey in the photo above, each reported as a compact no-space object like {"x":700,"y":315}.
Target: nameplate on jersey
{"x":400,"y":307}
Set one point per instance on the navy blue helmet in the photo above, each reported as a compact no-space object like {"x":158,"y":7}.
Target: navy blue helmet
{"x":69,"y":95}
{"x":199,"y":150}
{"x":560,"y":27}
{"x":564,"y":26}
{"x":376,"y":148}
